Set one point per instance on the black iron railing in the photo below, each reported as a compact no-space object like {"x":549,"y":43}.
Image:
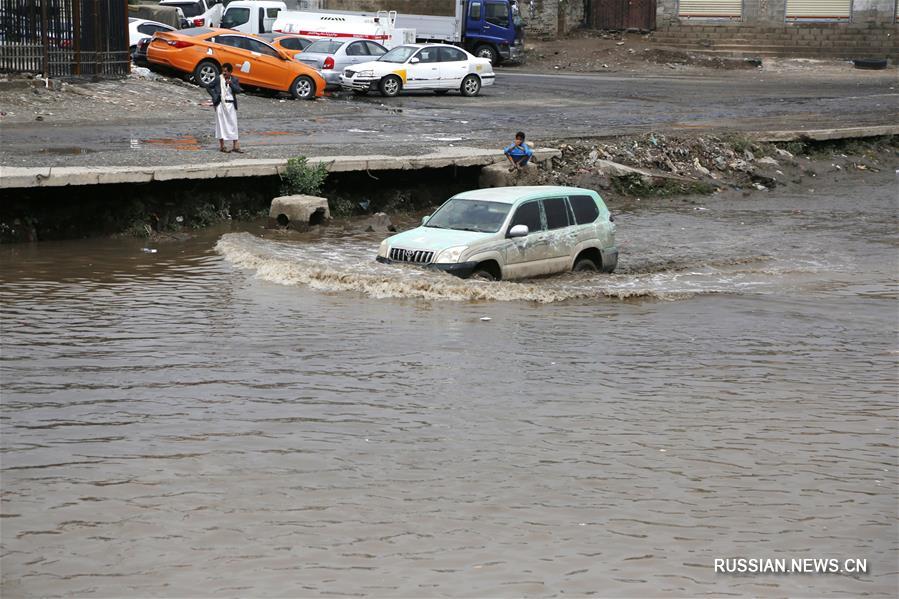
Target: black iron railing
{"x":64,"y":38}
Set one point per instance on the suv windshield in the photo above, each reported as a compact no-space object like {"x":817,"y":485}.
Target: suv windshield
{"x":324,"y":47}
{"x":398,"y":54}
{"x":470,"y":215}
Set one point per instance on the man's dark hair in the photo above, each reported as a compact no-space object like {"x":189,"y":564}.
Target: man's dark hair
{"x":227,"y":67}
{"x":520,"y":134}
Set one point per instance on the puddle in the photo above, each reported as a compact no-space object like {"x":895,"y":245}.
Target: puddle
{"x":66,"y":151}
{"x":187,"y":142}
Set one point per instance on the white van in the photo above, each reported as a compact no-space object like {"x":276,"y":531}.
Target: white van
{"x":252,"y":16}
{"x":197,"y":13}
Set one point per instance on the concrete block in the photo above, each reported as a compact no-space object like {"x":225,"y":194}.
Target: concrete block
{"x":499,"y":175}
{"x":299,"y":212}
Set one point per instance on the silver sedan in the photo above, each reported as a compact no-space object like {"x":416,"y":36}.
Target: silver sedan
{"x":331,"y":56}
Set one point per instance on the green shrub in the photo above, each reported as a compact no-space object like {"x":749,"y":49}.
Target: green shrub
{"x":301,"y":178}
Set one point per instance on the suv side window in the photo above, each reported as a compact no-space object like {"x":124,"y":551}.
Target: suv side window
{"x":556,"y":213}
{"x":528,"y":214}
{"x":585,"y":210}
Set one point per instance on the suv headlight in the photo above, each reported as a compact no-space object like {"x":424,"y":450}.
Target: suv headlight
{"x":450,"y":255}
{"x":365,"y":74}
{"x":382,"y":251}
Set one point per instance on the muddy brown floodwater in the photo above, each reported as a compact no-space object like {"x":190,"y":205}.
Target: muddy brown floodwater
{"x":243,"y":415}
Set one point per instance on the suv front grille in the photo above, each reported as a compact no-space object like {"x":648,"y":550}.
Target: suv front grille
{"x":414,"y":256}
{"x":349,"y":74}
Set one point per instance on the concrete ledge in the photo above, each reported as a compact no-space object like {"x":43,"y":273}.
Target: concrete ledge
{"x":23,"y":178}
{"x":826,"y":134}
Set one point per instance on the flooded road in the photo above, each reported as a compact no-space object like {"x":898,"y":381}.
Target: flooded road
{"x":244,"y":414}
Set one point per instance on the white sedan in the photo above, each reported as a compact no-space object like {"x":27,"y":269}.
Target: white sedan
{"x":139,"y":29}
{"x":438,"y":67}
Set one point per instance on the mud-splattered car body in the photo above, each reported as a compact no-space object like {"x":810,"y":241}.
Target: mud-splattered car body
{"x":511,"y":233}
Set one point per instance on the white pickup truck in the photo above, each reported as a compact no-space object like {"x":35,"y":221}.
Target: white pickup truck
{"x":252,"y":16}
{"x":197,"y":13}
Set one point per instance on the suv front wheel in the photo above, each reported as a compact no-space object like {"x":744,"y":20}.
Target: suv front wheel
{"x":585,"y":265}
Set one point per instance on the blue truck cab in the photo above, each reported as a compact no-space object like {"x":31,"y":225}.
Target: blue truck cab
{"x":493,"y":30}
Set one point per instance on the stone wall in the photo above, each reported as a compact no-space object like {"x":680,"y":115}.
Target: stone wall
{"x":551,"y":18}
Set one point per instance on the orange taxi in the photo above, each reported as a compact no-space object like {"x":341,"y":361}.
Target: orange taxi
{"x":203,"y":50}
{"x":288,"y":43}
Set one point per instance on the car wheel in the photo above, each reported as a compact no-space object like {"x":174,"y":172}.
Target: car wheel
{"x":390,"y":86}
{"x":441,"y":92}
{"x":303,"y":88}
{"x":206,"y":73}
{"x":482,"y":275}
{"x":585,"y":265}
{"x":486,"y":52}
{"x":471,"y":86}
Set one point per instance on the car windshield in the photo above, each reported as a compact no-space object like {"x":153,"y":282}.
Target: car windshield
{"x":324,"y":47}
{"x":190,"y":9}
{"x":399,"y":54}
{"x":470,"y":215}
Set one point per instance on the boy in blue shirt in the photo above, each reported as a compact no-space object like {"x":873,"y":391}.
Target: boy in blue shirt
{"x":519,"y":153}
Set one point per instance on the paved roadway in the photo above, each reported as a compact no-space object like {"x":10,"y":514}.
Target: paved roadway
{"x":547,"y":106}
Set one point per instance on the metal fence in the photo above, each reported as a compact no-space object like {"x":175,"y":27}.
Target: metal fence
{"x":64,"y":38}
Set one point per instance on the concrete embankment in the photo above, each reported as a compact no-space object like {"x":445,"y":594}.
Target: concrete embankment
{"x":25,"y":178}
{"x":66,"y":202}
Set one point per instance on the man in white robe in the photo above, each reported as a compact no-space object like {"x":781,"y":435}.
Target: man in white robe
{"x":224,"y":98}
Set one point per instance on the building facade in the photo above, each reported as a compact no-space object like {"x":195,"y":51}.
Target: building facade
{"x":842,"y":29}
{"x":778,"y":12}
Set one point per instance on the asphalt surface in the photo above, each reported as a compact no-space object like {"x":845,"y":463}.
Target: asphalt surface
{"x":138,"y":122}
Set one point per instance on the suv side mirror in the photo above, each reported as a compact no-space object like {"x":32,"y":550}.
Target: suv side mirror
{"x":519,"y":231}
{"x":414,"y":61}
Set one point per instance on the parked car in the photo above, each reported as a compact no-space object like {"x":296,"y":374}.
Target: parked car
{"x":201,"y":51}
{"x":139,"y":53}
{"x":252,"y":16}
{"x":139,"y":29}
{"x":287,"y":43}
{"x":438,"y":67}
{"x":511,"y":233}
{"x":197,"y":13}
{"x":331,"y":56}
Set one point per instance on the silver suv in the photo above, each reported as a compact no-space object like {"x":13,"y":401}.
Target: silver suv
{"x":511,"y":233}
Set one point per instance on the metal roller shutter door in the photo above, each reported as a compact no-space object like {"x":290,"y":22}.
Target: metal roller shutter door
{"x":710,"y":8}
{"x":819,"y":9}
